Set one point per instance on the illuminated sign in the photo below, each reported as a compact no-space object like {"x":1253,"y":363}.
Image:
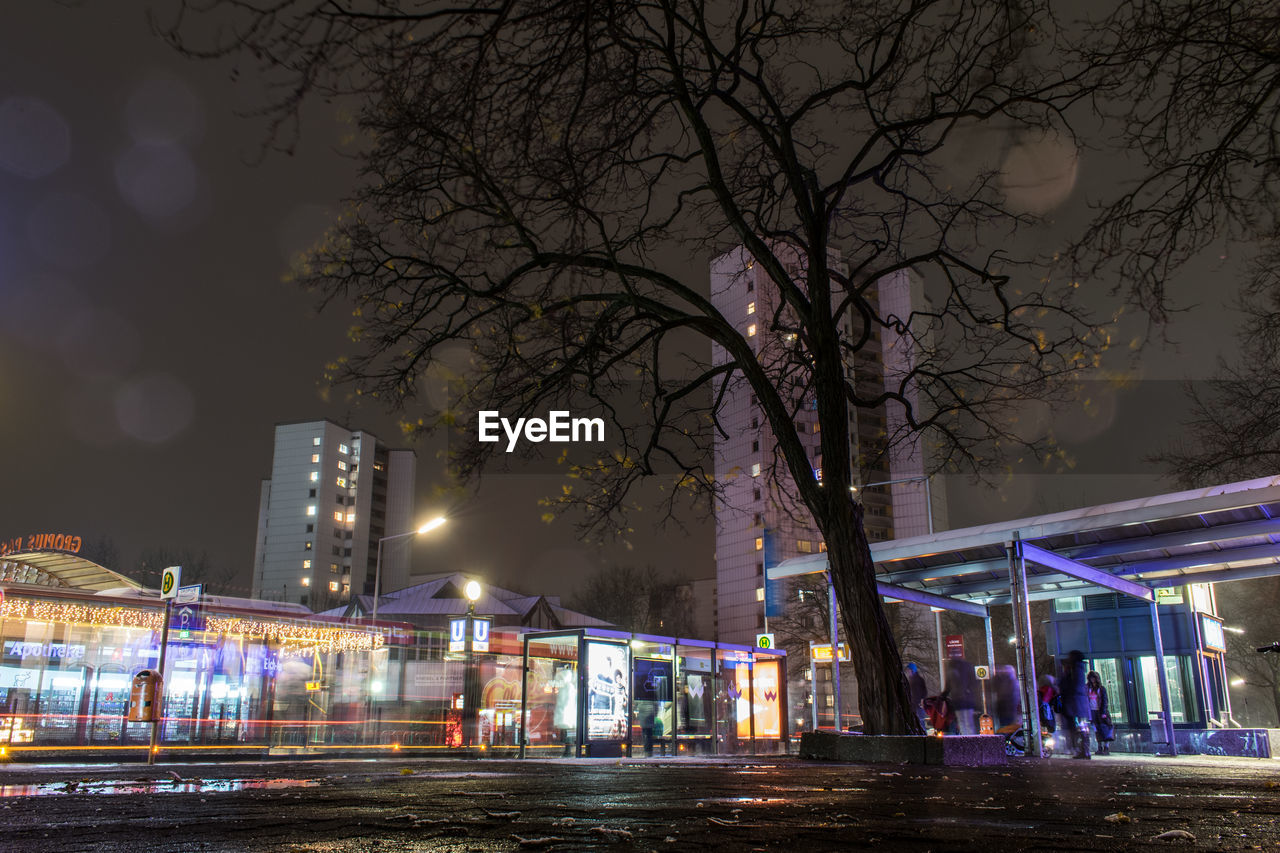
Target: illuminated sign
{"x":315,"y":685}
{"x":1168,"y":595}
{"x":821,"y":652}
{"x":42,"y":542}
{"x":18,"y":648}
{"x":480,"y":635}
{"x":1211,"y":630}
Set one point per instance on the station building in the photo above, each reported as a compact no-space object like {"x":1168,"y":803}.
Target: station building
{"x":253,"y":678}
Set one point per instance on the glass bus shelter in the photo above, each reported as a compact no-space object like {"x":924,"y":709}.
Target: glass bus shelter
{"x":592,"y":692}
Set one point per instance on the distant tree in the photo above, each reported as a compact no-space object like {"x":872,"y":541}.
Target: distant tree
{"x":196,"y":568}
{"x":102,"y":551}
{"x":636,"y":599}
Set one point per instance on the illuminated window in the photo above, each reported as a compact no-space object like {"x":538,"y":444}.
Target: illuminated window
{"x":315,"y":442}
{"x":759,"y":593}
{"x":306,"y":564}
{"x":315,"y":476}
{"x":333,"y":586}
{"x":311,"y":510}
{"x":822,"y":547}
{"x":351,"y":517}
{"x":315,"y":457}
{"x":337,"y":516}
{"x":804,"y":546}
{"x":343,"y":449}
{"x":333,"y":567}
{"x":751,"y":308}
{"x":751,"y":330}
{"x":755,"y":469}
{"x":759,"y":543}
{"x":342,"y":482}
{"x":1074,"y":604}
{"x":306,"y":581}
{"x":342,"y":466}
{"x":306,"y":547}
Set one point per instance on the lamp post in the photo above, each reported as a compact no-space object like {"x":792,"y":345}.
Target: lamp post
{"x":471,"y":681}
{"x":377,"y":571}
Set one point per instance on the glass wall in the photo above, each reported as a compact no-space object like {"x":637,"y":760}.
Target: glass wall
{"x":551,"y":714}
{"x":1181,"y":681}
{"x":695,"y":684}
{"x":653,"y":696}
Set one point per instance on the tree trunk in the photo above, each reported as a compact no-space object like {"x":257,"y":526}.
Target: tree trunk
{"x":883,"y":698}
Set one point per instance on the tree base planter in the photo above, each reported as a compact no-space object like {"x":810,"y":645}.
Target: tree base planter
{"x":955,"y":750}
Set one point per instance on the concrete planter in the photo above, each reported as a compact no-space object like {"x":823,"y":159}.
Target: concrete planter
{"x":956,"y":750}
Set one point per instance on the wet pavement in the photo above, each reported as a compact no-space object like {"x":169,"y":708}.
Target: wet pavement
{"x":1115,"y":803}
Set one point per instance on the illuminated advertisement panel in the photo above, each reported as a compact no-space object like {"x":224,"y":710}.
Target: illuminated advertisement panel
{"x":767,"y":708}
{"x":1211,"y":629}
{"x":607,"y":668}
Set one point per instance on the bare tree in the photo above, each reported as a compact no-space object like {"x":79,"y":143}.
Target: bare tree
{"x":636,"y":599}
{"x":542,"y":180}
{"x":1196,"y":95}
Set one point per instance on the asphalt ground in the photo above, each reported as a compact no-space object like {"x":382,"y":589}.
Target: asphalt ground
{"x":1111,"y":803}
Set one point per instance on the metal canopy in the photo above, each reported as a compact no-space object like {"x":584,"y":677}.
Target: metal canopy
{"x":61,"y":569}
{"x":1212,"y":535}
{"x":1223,"y":533}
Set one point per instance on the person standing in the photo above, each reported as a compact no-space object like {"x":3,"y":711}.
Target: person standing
{"x":1099,"y":713}
{"x":917,"y":691}
{"x":1075,"y":703}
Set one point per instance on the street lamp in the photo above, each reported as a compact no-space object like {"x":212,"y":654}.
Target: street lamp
{"x":471,"y":679}
{"x":377,"y":571}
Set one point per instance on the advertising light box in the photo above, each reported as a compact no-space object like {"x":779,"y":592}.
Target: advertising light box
{"x":607,"y":691}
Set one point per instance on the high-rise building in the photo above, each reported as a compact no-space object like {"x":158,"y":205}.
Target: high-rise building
{"x":333,"y":493}
{"x":760,"y":517}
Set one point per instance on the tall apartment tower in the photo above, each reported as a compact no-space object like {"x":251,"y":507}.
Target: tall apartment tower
{"x":760,"y":517}
{"x":333,"y":493}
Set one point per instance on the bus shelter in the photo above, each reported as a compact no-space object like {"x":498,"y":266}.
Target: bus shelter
{"x":595,"y":692}
{"x":1131,"y":552}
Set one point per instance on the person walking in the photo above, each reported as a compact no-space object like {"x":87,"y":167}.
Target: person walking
{"x":1099,"y":713}
{"x":1075,"y":703}
{"x":917,"y":691}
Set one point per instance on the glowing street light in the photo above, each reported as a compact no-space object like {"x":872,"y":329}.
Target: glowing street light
{"x":377,"y":572}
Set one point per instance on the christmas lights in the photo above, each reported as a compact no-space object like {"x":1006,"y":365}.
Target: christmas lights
{"x":322,"y":637}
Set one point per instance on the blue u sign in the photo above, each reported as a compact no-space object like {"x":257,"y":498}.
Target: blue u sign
{"x":457,"y":630}
{"x":480,"y":634}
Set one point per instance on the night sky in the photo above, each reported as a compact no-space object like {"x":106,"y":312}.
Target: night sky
{"x":148,"y":343}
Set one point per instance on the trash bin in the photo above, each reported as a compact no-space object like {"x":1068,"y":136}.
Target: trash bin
{"x":1158,"y":733}
{"x":143,"y":698}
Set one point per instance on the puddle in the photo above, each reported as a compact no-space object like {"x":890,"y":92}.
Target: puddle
{"x":1142,"y":794}
{"x":114,"y":786}
{"x":752,"y":800}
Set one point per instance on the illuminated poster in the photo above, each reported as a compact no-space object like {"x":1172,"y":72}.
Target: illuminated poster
{"x":606,"y":691}
{"x":653,"y":680}
{"x":768,"y":715}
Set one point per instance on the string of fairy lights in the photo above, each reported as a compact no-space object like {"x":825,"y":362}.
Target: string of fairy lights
{"x":324,"y":637}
